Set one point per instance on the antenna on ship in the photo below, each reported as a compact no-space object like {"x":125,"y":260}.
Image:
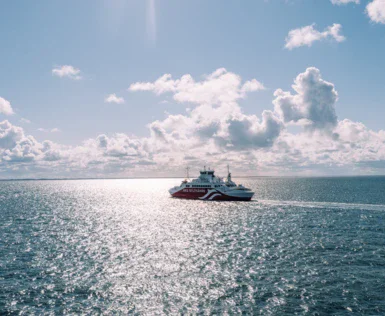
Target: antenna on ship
{"x":187,"y":170}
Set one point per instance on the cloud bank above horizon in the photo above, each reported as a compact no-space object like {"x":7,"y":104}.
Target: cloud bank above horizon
{"x":214,"y":131}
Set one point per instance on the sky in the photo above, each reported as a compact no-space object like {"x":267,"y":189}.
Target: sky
{"x":129,"y":88}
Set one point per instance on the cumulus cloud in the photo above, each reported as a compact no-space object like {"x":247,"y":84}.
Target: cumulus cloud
{"x":342,"y":2}
{"x":248,"y":132}
{"x":120,"y":145}
{"x":215,"y":131}
{"x":51,"y":151}
{"x":67,"y":71}
{"x":376,"y":11}
{"x":27,"y":149}
{"x":313,"y":104}
{"x":219,"y":87}
{"x":217,"y":118}
{"x":112,"y":98}
{"x":15,"y":146}
{"x":5,"y":107}
{"x":9,"y":134}
{"x":307,"y":35}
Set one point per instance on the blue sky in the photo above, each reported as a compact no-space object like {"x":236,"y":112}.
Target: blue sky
{"x":116,"y":43}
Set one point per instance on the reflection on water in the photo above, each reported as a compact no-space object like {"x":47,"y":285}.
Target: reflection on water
{"x":120,"y":246}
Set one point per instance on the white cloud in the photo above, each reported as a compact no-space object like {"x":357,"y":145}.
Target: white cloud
{"x":307,"y":35}
{"x":219,"y":87}
{"x":313,"y":105}
{"x":15,"y":146}
{"x":112,"y":98}
{"x":214,"y":133}
{"x":9,"y":134}
{"x":27,"y":149}
{"x":67,"y":71}
{"x":5,"y":107}
{"x":342,"y":2}
{"x":24,"y":120}
{"x":376,"y":11}
{"x":45,"y":130}
{"x":252,"y":85}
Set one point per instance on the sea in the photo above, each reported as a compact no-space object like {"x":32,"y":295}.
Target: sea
{"x":302,"y":246}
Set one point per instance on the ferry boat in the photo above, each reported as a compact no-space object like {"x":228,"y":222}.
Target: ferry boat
{"x":210,"y":187}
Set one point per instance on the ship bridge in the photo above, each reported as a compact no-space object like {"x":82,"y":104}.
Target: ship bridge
{"x":206,"y":175}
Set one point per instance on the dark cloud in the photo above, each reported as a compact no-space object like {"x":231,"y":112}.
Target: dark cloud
{"x":9,"y":134}
{"x":249,"y":133}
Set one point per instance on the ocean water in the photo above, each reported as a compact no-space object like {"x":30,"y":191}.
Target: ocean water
{"x":311,"y":246}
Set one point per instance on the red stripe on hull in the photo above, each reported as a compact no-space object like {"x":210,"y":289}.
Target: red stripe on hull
{"x":202,"y":194}
{"x":192,"y":194}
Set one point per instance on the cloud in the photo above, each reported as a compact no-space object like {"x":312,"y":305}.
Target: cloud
{"x":313,"y":105}
{"x":67,"y":71}
{"x":249,"y":132}
{"x":27,"y":149}
{"x":45,"y":130}
{"x":51,"y":151}
{"x":376,"y":11}
{"x":217,"y":116}
{"x":215,"y":133}
{"x":307,"y":35}
{"x":112,"y":98}
{"x":219,"y":87}
{"x":5,"y":107}
{"x":15,"y":146}
{"x":9,"y":134}
{"x":342,"y":2}
{"x":24,"y":120}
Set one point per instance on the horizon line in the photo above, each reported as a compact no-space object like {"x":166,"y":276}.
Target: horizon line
{"x":139,"y":178}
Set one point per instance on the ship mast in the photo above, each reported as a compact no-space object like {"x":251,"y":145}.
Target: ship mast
{"x":228,"y":174}
{"x":187,"y":173}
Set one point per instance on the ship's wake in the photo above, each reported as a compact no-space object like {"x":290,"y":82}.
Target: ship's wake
{"x":327,"y":205}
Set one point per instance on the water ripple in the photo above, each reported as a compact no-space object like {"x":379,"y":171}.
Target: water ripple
{"x":124,"y":246}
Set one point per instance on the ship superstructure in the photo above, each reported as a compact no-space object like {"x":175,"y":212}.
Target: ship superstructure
{"x":210,"y":187}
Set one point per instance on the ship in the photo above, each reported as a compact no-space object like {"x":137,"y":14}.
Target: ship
{"x":212,"y":188}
